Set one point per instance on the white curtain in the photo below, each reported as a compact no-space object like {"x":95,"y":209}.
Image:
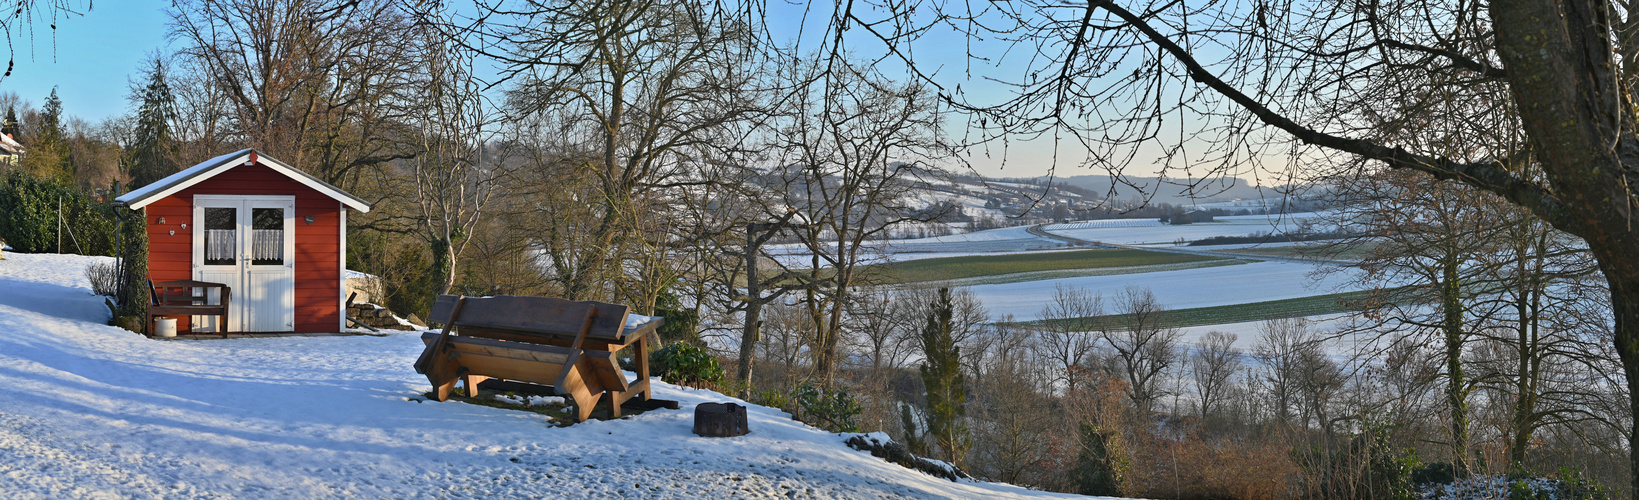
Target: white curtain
{"x":219,"y":244}
{"x":268,"y":244}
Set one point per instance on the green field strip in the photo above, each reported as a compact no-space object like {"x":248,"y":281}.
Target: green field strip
{"x":956,"y":268}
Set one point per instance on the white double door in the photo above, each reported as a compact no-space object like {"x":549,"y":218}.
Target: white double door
{"x":248,"y":243}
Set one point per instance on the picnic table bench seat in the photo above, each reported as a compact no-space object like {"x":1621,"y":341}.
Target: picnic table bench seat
{"x":567,"y":345}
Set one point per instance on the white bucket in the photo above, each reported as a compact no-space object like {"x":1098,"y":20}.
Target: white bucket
{"x":165,"y":327}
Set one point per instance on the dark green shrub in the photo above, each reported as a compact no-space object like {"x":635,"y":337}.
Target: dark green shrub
{"x":1519,"y":489}
{"x":1370,"y":465}
{"x":682,"y":324}
{"x":1573,"y":484}
{"x":29,"y":222}
{"x":685,"y":364}
{"x":835,"y":410}
{"x":1101,"y":465}
{"x":133,"y":289}
{"x":1437,"y":473}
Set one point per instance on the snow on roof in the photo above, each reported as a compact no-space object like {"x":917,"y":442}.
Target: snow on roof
{"x":10,"y":145}
{"x":210,"y":168}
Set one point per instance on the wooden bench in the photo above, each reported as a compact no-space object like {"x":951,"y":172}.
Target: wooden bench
{"x":564,"y":344}
{"x":177,"y":298}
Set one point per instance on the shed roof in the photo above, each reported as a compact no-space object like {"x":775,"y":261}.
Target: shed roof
{"x":210,"y":168}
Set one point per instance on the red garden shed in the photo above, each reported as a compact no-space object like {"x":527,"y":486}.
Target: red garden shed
{"x":274,"y":234}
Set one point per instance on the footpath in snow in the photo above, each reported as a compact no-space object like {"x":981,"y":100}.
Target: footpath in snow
{"x":93,"y":411}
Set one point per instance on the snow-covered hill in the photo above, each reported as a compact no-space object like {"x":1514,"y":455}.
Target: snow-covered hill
{"x":92,"y":411}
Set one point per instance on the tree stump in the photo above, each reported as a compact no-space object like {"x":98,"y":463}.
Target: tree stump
{"x":720,"y":420}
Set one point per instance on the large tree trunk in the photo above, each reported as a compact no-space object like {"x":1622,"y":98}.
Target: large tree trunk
{"x":1563,"y":74}
{"x":1623,"y":289}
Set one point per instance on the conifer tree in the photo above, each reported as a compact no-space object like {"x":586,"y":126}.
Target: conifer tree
{"x":10,"y":126}
{"x":1101,"y":465}
{"x":942,"y":375}
{"x":47,"y":154}
{"x":152,"y":152}
{"x":913,"y":437}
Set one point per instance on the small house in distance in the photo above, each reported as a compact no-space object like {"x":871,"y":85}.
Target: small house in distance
{"x":273,"y":234}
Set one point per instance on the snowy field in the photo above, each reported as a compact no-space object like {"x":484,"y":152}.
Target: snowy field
{"x":1020,"y":239}
{"x":1249,"y":333}
{"x":991,"y":241}
{"x":1161,"y":234}
{"x":92,"y":411}
{"x":1183,"y":289}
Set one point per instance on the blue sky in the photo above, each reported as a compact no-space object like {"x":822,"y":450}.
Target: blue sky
{"x":91,"y":58}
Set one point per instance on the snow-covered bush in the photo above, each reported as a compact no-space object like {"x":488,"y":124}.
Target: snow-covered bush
{"x":1568,"y":484}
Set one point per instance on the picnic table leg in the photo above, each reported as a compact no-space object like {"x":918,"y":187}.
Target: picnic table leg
{"x":572,"y":385}
{"x":642,"y":360}
{"x":443,"y":373}
{"x":472,"y":382}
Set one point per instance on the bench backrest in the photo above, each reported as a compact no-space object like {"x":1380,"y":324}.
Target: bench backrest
{"x":533,"y":316}
{"x":181,"y":292}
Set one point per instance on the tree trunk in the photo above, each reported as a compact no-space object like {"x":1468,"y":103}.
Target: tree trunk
{"x":1624,"y":310}
{"x":1528,"y":307}
{"x":1456,"y":393}
{"x":754,"y":309}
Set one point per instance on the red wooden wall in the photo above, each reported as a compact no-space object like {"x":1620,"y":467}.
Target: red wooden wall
{"x":318,"y":246}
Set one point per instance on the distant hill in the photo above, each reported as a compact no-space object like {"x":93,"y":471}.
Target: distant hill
{"x":1170,"y":190}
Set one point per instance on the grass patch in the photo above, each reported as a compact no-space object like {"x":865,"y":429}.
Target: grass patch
{"x":955,"y":268}
{"x":558,"y":414}
{"x":553,"y":412}
{"x":1316,"y":305}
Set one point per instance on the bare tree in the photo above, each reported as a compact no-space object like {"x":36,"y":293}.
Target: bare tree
{"x":644,"y":87}
{"x":1244,"y":80}
{"x":1145,"y":346}
{"x":315,"y":83}
{"x":1280,"y":351}
{"x":849,"y":147}
{"x":1070,"y":325}
{"x":1426,"y":242}
{"x":1212,"y":363}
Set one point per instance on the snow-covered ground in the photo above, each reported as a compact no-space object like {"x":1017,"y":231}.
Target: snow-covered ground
{"x":92,"y":411}
{"x":1181,"y":289}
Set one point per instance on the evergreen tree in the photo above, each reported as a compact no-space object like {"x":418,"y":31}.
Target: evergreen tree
{"x":1101,"y":466}
{"x":152,"y":153}
{"x":942,"y":375}
{"x":47,"y":154}
{"x":10,"y":126}
{"x":913,"y":437}
{"x":51,"y":119}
